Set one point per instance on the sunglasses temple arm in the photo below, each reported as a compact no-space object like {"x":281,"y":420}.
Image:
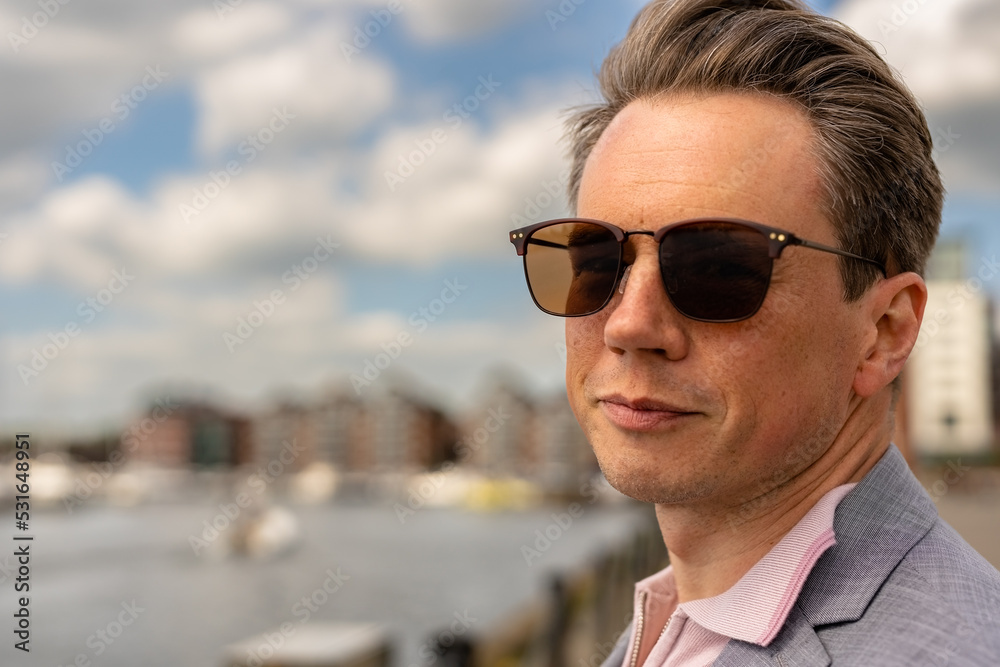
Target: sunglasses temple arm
{"x":547,"y":244}
{"x":837,"y":251}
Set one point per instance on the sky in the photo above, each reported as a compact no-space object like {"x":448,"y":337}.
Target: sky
{"x":251,"y":200}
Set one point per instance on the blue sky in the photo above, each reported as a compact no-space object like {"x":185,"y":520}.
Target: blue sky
{"x":161,"y":135}
{"x":323,"y":176}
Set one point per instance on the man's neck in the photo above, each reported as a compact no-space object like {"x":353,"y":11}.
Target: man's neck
{"x":710,"y":550}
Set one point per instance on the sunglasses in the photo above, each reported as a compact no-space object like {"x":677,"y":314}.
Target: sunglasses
{"x":714,"y":269}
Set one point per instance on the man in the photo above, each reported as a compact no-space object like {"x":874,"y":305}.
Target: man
{"x":756,"y":202}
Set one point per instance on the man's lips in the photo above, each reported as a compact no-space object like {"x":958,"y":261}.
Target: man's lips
{"x":640,"y":414}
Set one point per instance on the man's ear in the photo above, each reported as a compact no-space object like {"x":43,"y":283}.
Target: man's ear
{"x":893,"y":309}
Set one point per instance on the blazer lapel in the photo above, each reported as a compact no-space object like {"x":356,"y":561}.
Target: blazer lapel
{"x":876,"y":524}
{"x":797,"y":644}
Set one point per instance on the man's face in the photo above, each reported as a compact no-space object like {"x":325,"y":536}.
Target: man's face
{"x":679,"y":410}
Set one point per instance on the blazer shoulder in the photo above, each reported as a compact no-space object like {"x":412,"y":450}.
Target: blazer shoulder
{"x":900,"y":586}
{"x":940,"y":605}
{"x":956,"y":574}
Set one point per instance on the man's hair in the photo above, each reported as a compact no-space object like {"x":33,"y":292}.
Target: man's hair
{"x":883,"y":191}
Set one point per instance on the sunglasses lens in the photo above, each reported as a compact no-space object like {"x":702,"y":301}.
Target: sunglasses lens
{"x":716,"y":271}
{"x":572,"y":267}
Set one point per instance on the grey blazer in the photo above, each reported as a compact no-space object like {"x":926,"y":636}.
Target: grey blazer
{"x":900,"y":587}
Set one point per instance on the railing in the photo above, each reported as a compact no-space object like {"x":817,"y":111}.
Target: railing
{"x":575,"y":623}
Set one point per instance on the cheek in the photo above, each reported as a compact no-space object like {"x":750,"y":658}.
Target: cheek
{"x":759,"y":366}
{"x":781,"y":373}
{"x":584,"y":344}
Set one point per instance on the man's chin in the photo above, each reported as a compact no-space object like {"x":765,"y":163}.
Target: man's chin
{"x":637,"y":482}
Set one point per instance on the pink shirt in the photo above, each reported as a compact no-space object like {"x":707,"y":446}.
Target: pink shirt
{"x":695,"y":633}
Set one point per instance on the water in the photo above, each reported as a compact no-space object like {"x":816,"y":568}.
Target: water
{"x":413,"y":577}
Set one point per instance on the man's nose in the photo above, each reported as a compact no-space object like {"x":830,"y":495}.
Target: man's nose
{"x":642,"y":317}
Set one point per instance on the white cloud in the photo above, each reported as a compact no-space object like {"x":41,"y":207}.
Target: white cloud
{"x":73,"y":236}
{"x":63,"y":84}
{"x":459,"y":204}
{"x":262,"y":222}
{"x":261,"y":55}
{"x":946,"y":51}
{"x":194,"y":280}
{"x":949,"y":55}
{"x":264,"y":216}
{"x":460,"y":201}
{"x":203,"y":32}
{"x":329,"y":96}
{"x":71,"y":71}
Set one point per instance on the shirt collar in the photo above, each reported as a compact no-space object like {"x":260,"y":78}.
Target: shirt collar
{"x":755,"y":608}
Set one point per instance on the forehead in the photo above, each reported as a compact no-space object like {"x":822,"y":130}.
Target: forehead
{"x":734,"y":155}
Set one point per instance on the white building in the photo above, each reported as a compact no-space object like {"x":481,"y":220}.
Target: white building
{"x":950,"y":410}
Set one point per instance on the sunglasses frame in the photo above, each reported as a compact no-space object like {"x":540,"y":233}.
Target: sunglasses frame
{"x":778,"y":240}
